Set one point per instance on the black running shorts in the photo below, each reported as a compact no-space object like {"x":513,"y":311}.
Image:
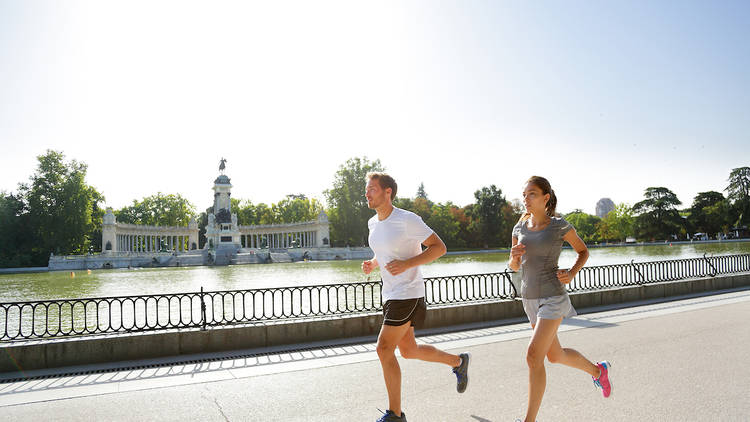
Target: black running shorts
{"x":400,"y":311}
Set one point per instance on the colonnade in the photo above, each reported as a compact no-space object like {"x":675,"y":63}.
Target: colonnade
{"x":304,"y":239}
{"x":152,"y":243}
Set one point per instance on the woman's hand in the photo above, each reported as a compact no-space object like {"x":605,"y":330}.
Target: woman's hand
{"x":517,"y":251}
{"x":564,"y":276}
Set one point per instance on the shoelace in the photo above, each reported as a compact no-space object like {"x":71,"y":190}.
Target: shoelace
{"x":382,"y":418}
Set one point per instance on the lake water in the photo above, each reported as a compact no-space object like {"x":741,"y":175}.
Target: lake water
{"x":56,"y":285}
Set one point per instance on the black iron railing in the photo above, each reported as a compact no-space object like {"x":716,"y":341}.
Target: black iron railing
{"x":89,"y":316}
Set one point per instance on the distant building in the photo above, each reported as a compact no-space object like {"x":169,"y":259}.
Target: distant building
{"x":604,"y":206}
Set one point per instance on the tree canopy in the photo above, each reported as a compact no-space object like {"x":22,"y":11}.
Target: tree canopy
{"x":348,"y":212}
{"x":738,"y":193}
{"x":158,"y":210}
{"x":61,"y":210}
{"x":658,"y":216}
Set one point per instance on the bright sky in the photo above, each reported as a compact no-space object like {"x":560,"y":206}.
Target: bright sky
{"x":603,"y":98}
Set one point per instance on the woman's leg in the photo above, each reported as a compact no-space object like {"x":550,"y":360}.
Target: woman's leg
{"x":545,"y":332}
{"x":571,"y":357}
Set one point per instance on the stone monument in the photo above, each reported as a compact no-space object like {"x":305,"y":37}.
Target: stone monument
{"x":222,"y":231}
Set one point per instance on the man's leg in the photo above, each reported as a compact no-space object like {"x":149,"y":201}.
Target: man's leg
{"x":411,"y":350}
{"x":390,"y":336}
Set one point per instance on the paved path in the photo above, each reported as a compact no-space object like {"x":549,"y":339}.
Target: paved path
{"x":675,"y":361}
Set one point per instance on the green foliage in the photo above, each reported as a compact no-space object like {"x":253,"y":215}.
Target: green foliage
{"x":56,"y":212}
{"x":738,"y":193}
{"x":348,"y":213}
{"x":158,"y":210}
{"x":658,"y":216}
{"x":296,"y":208}
{"x":292,"y":209}
{"x":586,"y":225}
{"x":487,"y":215}
{"x":710,"y":213}
{"x":618,"y":224}
{"x":442,"y":222}
{"x":62,"y":207}
{"x":16,"y":236}
{"x":421,"y":192}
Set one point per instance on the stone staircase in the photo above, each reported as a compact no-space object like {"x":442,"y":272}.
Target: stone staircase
{"x":280,"y":257}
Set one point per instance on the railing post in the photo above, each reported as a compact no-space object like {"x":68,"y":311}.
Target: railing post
{"x":637,"y":271}
{"x":203,"y":312}
{"x":711,"y":265}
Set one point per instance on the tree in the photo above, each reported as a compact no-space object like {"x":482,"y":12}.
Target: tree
{"x":709,"y":213}
{"x":442,"y":222}
{"x":585,"y":224}
{"x":296,"y":209}
{"x":618,"y":224}
{"x":420,"y":191}
{"x":658,"y":216}
{"x":738,"y":193}
{"x":158,"y":210}
{"x":63,"y":210}
{"x":348,"y":212}
{"x":487,"y":215}
{"x":16,"y":236}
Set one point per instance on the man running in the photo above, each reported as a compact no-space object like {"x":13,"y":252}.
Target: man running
{"x":396,"y":237}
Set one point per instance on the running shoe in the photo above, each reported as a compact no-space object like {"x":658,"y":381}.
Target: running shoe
{"x":389,"y":416}
{"x":462,"y":372}
{"x":603,"y":381}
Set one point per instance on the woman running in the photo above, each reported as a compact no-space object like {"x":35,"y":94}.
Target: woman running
{"x":537,"y":241}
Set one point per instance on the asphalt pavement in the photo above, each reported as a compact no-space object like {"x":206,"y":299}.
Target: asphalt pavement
{"x":681,"y":360}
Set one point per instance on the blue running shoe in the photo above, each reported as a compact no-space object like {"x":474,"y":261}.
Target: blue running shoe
{"x":389,"y":416}
{"x":462,"y":372}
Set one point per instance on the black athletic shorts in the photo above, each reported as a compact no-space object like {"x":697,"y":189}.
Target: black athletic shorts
{"x":400,"y":311}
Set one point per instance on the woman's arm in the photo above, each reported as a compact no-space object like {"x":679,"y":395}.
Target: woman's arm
{"x":566,"y":276}
{"x":516,"y":251}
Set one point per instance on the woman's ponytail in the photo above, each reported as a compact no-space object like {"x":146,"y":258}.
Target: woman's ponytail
{"x":552,"y":203}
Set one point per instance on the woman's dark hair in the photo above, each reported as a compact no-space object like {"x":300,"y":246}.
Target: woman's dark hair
{"x":544,"y":186}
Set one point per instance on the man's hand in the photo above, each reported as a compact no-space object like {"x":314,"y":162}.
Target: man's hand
{"x":564,"y":276}
{"x":368,"y":266}
{"x":396,"y":267}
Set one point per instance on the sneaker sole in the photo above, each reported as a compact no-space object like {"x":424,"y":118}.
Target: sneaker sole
{"x":608,"y":365}
{"x":468,"y":362}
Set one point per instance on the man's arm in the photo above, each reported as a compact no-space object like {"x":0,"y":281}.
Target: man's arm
{"x":435,"y":249}
{"x":369,"y":265}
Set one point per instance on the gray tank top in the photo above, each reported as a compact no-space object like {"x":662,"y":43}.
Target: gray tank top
{"x":539,"y":263}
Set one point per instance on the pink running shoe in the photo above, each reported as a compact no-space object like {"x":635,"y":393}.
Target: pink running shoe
{"x":603,"y":381}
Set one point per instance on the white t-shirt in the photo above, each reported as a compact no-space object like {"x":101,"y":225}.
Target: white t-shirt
{"x":399,"y":236}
